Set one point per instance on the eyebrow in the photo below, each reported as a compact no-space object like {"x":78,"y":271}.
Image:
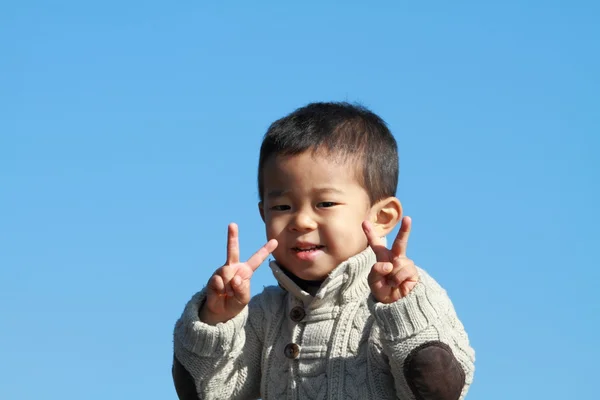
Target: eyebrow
{"x":282,"y":192}
{"x":329,"y":190}
{"x":272,"y":194}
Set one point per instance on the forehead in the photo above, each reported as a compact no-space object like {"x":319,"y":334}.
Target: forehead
{"x":310,"y":169}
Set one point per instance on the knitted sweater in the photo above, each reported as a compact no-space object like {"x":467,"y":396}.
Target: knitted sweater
{"x":339,"y":344}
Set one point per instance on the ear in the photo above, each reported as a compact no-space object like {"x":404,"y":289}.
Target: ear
{"x":385,"y":214}
{"x":261,"y":210}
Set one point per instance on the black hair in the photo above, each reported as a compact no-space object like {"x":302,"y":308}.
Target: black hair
{"x":340,"y":129}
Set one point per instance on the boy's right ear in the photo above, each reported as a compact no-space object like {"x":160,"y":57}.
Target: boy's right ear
{"x":261,"y":210}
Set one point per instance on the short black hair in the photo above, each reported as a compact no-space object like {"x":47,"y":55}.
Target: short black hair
{"x":341,"y":129}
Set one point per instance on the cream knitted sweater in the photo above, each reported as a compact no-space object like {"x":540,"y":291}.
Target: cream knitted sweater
{"x":339,"y":344}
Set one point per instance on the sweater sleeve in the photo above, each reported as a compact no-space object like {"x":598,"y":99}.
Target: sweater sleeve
{"x":422,"y":337}
{"x":223,"y":360}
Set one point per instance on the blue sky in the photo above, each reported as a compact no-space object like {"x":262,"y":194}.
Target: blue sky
{"x":129,"y":138}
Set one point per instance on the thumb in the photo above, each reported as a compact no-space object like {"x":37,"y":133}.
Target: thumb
{"x":377,"y":276}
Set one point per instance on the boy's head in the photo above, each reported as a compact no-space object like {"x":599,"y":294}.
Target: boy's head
{"x":323,"y":170}
{"x":340,"y":131}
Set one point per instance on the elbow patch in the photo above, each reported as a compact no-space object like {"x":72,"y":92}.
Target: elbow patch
{"x":433,"y":373}
{"x":184,"y":383}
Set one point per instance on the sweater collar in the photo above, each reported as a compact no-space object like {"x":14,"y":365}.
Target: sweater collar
{"x":346,"y":282}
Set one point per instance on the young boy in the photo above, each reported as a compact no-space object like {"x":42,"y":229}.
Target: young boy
{"x":350,"y":319}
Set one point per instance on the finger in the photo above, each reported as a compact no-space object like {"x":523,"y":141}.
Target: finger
{"x":216,"y":285}
{"x":402,"y":274}
{"x":379,"y":271}
{"x":241,"y":289}
{"x":401,"y":241}
{"x":262,"y":254}
{"x":382,"y":268}
{"x":378,"y":286}
{"x":228,"y":289}
{"x":376,"y":243}
{"x":233,"y":244}
{"x":227,"y":272}
{"x":407,"y":286}
{"x":381,"y":289}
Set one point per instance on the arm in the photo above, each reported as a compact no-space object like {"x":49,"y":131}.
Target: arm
{"x":426,"y":344}
{"x":419,"y":333}
{"x":222,"y":361}
{"x":216,"y":343}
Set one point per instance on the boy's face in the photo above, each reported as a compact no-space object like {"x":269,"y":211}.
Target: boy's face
{"x":314,"y":207}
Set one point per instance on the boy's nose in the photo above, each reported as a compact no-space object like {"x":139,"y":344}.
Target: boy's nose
{"x":303,"y":222}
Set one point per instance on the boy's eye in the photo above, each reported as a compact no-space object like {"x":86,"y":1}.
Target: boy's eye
{"x":280,"y":207}
{"x":326,"y":204}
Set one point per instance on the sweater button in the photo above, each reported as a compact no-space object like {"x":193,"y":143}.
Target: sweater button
{"x":291,"y":350}
{"x":297,"y":314}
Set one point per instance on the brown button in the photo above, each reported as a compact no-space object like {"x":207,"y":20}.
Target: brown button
{"x":291,"y":350}
{"x":297,"y":314}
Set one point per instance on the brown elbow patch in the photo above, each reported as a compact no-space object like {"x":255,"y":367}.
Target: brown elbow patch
{"x":433,"y":373}
{"x":184,"y":383}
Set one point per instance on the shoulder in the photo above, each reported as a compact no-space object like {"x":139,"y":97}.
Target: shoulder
{"x":428,"y":280}
{"x":431,"y":291}
{"x":430,"y":284}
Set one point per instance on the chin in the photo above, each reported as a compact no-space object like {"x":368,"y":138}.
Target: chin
{"x":306,"y":270}
{"x":314,"y":275}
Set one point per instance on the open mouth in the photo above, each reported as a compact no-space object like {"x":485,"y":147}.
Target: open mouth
{"x":307,"y":248}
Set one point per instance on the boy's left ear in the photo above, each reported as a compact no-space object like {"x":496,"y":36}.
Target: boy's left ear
{"x":385,"y":214}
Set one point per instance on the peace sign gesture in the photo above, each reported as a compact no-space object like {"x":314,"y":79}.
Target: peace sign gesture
{"x":228,"y":290}
{"x":394,"y":275}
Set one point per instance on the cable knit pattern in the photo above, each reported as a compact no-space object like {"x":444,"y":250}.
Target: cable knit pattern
{"x":339,"y":344}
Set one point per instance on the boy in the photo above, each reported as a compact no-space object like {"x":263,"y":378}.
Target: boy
{"x":350,"y":319}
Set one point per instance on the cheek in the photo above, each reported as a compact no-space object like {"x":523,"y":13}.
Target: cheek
{"x":274,"y":227}
{"x":347,"y":234}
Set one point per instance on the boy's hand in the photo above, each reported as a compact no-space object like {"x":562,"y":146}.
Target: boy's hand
{"x":394,"y":275}
{"x":228,"y":290}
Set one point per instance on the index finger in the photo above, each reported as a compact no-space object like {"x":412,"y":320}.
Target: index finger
{"x":233,"y":244}
{"x":262,"y":254}
{"x":401,"y":241}
{"x":377,"y":243}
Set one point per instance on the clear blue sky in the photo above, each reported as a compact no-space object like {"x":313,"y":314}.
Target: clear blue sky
{"x":129,"y":137}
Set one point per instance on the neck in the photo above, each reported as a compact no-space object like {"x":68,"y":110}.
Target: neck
{"x":310,"y":287}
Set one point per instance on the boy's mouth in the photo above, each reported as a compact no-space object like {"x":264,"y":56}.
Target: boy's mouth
{"x":301,"y":249}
